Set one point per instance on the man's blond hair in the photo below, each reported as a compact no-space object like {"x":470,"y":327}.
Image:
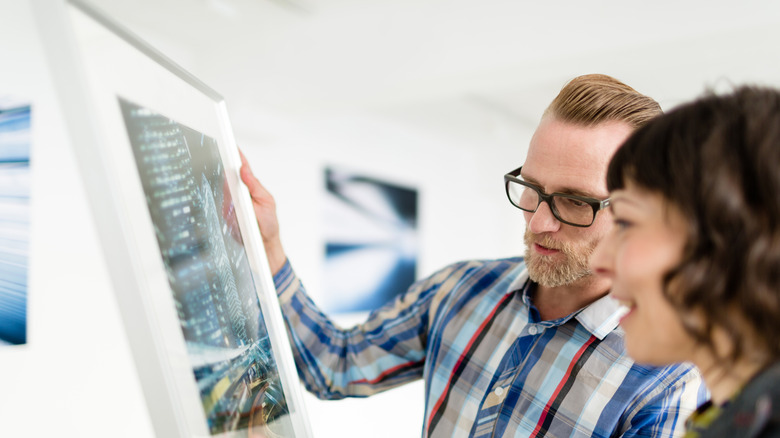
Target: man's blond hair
{"x":593,"y":99}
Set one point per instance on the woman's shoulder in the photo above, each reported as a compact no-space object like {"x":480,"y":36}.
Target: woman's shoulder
{"x":755,"y":411}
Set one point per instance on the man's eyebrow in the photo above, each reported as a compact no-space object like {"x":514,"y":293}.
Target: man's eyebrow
{"x":564,"y":190}
{"x":577,"y":192}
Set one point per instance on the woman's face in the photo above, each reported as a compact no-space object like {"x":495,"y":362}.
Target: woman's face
{"x":645,"y":243}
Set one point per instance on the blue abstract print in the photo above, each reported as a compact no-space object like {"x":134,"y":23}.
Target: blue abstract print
{"x":14,"y":221}
{"x":371,"y":242}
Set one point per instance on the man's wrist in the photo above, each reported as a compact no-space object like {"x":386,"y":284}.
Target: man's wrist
{"x":276,"y":257}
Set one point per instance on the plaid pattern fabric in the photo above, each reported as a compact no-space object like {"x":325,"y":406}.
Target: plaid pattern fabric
{"x":491,"y":367}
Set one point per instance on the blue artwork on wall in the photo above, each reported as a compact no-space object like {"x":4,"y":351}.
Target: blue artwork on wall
{"x":370,"y":242}
{"x":14,"y":219}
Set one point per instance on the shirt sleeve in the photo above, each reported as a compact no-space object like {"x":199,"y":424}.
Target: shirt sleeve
{"x":664,"y":409}
{"x":385,"y":351}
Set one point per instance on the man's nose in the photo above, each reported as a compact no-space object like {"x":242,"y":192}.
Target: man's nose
{"x":542,"y":220}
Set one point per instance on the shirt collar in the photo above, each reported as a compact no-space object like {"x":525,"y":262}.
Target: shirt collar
{"x":520,"y":279}
{"x":599,"y":317}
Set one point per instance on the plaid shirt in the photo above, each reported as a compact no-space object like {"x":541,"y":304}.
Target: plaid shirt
{"x":491,"y":366}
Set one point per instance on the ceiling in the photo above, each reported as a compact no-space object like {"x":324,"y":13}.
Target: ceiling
{"x":451,"y":64}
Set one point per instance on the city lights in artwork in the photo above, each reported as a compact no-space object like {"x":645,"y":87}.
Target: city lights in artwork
{"x":214,"y":293}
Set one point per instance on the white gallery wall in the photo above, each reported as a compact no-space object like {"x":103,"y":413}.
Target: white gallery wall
{"x":439,"y":96}
{"x":75,"y":376}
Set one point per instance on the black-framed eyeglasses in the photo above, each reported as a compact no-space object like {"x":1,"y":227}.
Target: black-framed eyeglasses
{"x":578,"y":211}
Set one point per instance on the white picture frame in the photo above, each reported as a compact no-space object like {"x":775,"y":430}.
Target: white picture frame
{"x":160,"y":166}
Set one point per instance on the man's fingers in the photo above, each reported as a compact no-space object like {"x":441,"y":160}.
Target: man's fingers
{"x":253,"y":184}
{"x":265,"y":212}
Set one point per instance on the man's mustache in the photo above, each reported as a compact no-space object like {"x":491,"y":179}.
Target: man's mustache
{"x":547,"y":242}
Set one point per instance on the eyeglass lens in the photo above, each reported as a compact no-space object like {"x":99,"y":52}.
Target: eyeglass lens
{"x":563,"y":207}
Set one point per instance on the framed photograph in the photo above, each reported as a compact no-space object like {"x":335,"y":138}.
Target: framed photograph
{"x":161,"y":169}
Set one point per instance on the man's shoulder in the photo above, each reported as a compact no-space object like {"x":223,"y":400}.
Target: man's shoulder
{"x":679,"y":373}
{"x":684,"y":371}
{"x":649,"y":379}
{"x":660,"y":382}
{"x":498,"y":265}
{"x":476,"y":275}
{"x":479,"y":268}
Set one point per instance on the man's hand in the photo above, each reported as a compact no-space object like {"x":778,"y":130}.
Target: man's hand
{"x":265,"y":210}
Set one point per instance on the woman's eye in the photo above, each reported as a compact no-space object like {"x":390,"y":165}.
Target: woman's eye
{"x":621,"y":224}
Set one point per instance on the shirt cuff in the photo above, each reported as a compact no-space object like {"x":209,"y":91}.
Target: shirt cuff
{"x":284,"y":278}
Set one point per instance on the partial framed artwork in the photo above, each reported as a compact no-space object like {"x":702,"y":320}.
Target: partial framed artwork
{"x":371,"y":241}
{"x":14,"y":218}
{"x":159,"y":161}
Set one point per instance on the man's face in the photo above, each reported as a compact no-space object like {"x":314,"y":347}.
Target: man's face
{"x":567,"y":158}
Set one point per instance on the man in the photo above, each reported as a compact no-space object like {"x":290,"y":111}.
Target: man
{"x":513,"y":347}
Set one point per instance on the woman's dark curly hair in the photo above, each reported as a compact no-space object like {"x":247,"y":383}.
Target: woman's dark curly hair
{"x":717,"y":160}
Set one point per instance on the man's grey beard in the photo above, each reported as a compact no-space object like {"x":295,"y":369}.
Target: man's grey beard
{"x":549,"y":273}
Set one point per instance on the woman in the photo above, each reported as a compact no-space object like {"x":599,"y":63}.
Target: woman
{"x":695,"y":253}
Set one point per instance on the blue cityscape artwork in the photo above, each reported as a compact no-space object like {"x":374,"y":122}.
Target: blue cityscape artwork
{"x":203,"y":252}
{"x":370,"y":242}
{"x":14,"y":220}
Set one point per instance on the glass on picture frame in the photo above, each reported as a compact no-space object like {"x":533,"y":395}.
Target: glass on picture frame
{"x":201,"y":246}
